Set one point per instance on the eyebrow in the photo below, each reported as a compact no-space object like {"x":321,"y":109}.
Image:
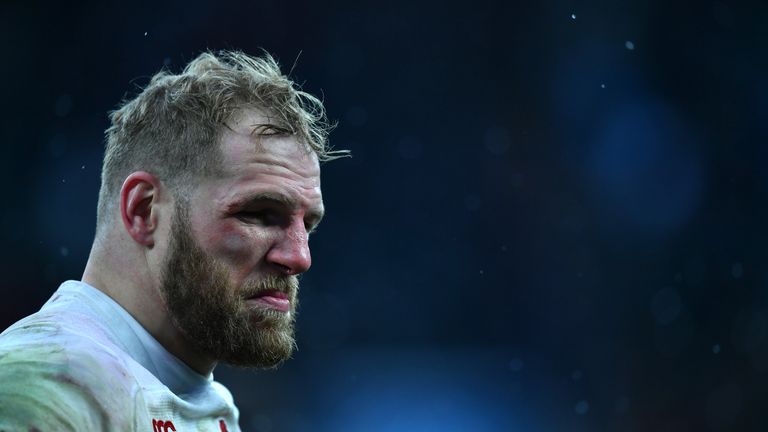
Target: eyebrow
{"x":259,"y":128}
{"x":314,"y":215}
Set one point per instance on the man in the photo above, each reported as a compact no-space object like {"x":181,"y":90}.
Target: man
{"x":210,"y":189}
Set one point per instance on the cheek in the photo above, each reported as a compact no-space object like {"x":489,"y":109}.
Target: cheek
{"x":238,"y":244}
{"x":233,"y":243}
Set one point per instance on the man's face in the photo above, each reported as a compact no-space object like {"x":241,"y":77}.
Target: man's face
{"x":238,"y":243}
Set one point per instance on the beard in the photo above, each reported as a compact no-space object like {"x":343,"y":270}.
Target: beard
{"x":213,"y":315}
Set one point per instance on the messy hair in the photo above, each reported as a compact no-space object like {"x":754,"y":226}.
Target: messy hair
{"x":172,"y":127}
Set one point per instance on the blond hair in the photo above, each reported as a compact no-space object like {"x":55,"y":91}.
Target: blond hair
{"x":172,"y":127}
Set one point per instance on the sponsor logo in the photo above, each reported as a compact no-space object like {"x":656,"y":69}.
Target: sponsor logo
{"x":162,"y":426}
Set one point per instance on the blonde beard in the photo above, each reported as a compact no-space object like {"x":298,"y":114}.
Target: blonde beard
{"x":213,"y":315}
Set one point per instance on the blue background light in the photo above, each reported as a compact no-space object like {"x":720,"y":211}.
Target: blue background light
{"x":542,"y":228}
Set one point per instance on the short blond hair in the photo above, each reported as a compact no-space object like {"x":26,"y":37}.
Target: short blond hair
{"x":172,"y":127}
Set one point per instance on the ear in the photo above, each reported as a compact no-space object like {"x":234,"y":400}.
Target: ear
{"x":139,"y":197}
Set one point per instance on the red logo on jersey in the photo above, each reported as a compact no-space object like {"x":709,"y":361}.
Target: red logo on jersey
{"x":223,"y":426}
{"x":162,"y":426}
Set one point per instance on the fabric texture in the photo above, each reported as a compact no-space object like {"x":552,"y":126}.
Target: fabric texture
{"x":83,"y":363}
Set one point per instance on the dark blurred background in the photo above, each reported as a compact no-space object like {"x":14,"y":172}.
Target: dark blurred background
{"x":552,"y":220}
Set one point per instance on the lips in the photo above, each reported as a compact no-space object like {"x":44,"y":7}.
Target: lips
{"x":272,"y":299}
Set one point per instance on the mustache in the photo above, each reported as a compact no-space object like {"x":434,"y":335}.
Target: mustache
{"x":288,"y":285}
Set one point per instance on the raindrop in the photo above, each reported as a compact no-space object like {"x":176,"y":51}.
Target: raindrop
{"x":602,"y":85}
{"x":573,"y":16}
{"x":581,"y":407}
{"x":629,"y":45}
{"x":145,"y":33}
{"x":82,"y":167}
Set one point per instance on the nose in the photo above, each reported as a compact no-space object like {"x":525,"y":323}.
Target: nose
{"x":290,"y":253}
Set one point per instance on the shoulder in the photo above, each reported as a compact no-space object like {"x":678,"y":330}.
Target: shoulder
{"x":54,"y":376}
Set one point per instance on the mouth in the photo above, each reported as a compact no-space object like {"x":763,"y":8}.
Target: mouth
{"x":271,"y":299}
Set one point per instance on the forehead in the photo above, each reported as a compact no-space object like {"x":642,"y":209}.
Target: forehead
{"x":249,"y":137}
{"x":255,"y":159}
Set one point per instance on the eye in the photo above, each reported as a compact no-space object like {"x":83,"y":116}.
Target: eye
{"x":263,"y":217}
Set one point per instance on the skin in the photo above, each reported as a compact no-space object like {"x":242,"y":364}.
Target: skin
{"x":254,"y":220}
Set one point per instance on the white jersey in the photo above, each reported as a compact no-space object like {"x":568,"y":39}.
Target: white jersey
{"x":83,"y":363}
